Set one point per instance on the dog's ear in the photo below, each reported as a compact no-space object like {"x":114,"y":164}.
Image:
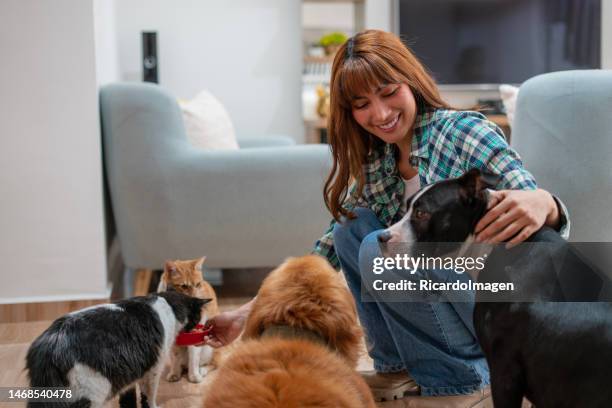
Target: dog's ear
{"x":473,"y":184}
{"x":489,"y":180}
{"x":342,"y":329}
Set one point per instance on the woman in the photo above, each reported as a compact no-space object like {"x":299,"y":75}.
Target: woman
{"x":390,"y":134}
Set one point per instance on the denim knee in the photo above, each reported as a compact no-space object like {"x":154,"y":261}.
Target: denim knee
{"x":352,"y":231}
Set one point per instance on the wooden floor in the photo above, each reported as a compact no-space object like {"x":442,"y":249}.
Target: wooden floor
{"x":15,"y":338}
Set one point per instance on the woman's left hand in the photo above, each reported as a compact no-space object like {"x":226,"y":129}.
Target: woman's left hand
{"x":516,"y":214}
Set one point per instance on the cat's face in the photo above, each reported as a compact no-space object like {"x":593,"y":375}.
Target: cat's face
{"x":187,"y":310}
{"x":184,"y":276}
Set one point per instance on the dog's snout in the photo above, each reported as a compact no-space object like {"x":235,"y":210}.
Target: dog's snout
{"x":384,"y":237}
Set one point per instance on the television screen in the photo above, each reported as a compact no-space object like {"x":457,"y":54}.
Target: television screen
{"x":501,"y":41}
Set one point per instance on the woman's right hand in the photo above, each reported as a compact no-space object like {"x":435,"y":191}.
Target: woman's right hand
{"x":226,"y":328}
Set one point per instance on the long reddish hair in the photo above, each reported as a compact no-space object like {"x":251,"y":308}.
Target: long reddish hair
{"x":367,"y":60}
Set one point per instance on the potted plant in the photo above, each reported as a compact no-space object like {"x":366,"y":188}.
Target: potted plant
{"x":332,"y":41}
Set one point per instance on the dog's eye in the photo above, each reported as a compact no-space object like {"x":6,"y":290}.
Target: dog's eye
{"x":198,"y":284}
{"x":419,"y":214}
{"x":184,"y":286}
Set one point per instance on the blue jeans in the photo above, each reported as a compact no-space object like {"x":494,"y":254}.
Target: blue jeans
{"x":435,"y":341}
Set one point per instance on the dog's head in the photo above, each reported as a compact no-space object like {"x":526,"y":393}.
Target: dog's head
{"x":446,"y":211}
{"x":307,"y":293}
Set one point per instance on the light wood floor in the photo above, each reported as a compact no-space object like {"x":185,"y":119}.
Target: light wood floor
{"x":15,"y":338}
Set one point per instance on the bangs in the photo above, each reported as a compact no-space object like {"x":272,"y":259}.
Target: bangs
{"x":362,"y":75}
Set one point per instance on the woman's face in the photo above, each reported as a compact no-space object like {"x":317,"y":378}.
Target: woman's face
{"x":387,"y":112}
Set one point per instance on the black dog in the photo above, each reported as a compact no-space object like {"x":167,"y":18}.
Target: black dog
{"x":538,"y":342}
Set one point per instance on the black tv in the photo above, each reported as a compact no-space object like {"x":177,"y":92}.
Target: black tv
{"x":501,"y":41}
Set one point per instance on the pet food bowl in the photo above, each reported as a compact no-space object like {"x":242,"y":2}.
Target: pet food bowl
{"x":196,"y":336}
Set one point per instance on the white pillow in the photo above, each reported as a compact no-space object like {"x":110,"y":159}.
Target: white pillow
{"x":207,"y":123}
{"x":508,"y":95}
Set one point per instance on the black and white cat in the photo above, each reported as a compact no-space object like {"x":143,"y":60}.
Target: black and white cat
{"x":105,"y":350}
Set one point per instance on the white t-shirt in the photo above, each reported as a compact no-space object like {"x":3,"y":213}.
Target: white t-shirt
{"x":411,"y":186}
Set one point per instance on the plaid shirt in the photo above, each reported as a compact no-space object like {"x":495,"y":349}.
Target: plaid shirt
{"x":445,"y":144}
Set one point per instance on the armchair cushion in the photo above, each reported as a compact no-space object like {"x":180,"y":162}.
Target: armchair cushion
{"x":207,"y":123}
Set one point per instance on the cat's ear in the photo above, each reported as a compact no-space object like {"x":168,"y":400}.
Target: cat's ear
{"x":200,"y":263}
{"x":199,"y":303}
{"x":163,"y":285}
{"x":202,"y":302}
{"x":170,"y":269}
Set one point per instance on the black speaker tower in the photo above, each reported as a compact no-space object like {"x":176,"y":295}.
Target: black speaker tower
{"x":149,"y":56}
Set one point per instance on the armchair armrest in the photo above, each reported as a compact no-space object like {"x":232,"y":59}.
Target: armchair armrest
{"x":267,"y":141}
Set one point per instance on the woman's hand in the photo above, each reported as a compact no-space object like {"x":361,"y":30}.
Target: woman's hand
{"x":513,"y":215}
{"x":227,"y":326}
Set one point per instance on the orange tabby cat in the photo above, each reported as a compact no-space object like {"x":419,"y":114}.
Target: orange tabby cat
{"x":186,"y":277}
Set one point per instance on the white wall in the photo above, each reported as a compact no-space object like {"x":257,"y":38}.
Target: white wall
{"x":378,"y":14}
{"x":328,"y":16}
{"x":105,"y":37}
{"x":341,"y":16}
{"x":51,"y":222}
{"x":247,"y":53}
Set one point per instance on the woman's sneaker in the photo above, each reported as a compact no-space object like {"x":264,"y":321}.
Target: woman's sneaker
{"x":390,"y":386}
{"x":478,"y":399}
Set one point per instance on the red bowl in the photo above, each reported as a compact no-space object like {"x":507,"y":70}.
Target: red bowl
{"x":196,"y":336}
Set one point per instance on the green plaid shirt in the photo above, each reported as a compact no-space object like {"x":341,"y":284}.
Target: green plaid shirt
{"x":445,"y":144}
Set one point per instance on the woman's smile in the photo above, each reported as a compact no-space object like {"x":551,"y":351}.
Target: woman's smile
{"x":390,"y":125}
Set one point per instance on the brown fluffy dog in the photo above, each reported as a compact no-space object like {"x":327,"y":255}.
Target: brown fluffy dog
{"x":303,"y":343}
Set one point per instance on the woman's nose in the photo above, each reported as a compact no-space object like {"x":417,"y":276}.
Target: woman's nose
{"x":380,"y":112}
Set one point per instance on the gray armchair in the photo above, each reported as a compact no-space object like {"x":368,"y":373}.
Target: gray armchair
{"x":563,"y":132}
{"x":251,"y":207}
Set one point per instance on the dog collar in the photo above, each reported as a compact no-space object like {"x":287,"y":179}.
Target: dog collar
{"x":290,"y":332}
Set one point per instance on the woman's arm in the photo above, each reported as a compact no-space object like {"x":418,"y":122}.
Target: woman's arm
{"x":325,"y":246}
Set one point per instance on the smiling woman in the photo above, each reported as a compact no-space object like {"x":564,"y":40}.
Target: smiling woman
{"x":391,"y":134}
